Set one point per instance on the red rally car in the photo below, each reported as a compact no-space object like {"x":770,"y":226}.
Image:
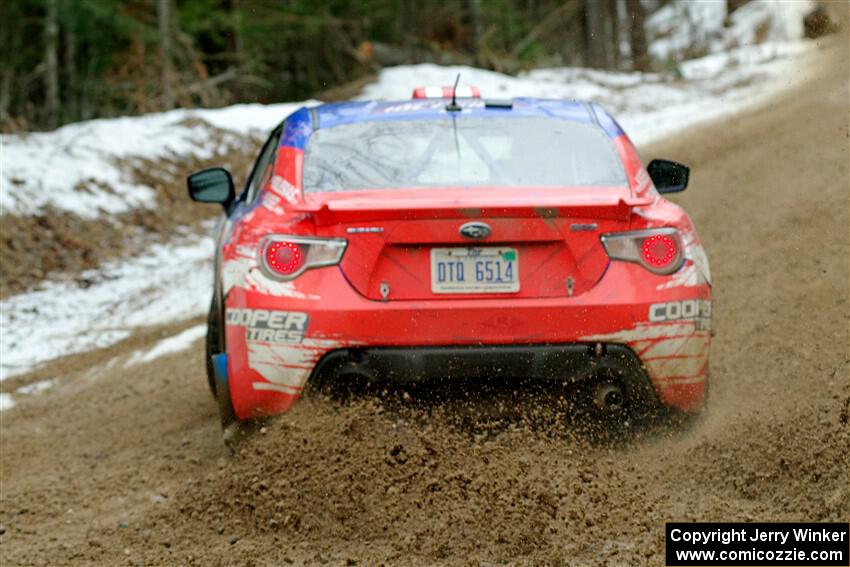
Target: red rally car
{"x":442,"y":238}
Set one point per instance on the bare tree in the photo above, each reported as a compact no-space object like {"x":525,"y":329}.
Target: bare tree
{"x":165,"y":51}
{"x":51,"y":44}
{"x":637,"y":35}
{"x":72,"y":88}
{"x":732,"y":5}
{"x":554,"y":21}
{"x":7,"y":69}
{"x":472,"y":18}
{"x":599,"y":30}
{"x":614,"y":8}
{"x":238,"y":44}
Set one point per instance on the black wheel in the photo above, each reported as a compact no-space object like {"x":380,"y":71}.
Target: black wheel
{"x":214,"y":343}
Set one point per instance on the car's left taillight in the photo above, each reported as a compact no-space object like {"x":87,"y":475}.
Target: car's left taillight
{"x":659,"y":250}
{"x":285,"y":257}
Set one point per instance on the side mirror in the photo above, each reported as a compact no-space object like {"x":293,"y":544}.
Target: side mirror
{"x":668,"y":176}
{"x":212,"y":185}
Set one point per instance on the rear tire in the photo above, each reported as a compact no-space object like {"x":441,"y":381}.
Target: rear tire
{"x":214,"y":340}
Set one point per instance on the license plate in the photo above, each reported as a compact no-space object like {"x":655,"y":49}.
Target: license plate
{"x":474,"y":270}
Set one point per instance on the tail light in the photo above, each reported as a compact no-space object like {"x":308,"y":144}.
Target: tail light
{"x":659,"y":250}
{"x":284,"y":257}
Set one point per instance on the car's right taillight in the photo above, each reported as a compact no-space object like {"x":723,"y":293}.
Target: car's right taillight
{"x":285,"y":257}
{"x":659,"y":250}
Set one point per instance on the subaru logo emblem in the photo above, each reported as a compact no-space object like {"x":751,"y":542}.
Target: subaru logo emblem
{"x":475,"y":230}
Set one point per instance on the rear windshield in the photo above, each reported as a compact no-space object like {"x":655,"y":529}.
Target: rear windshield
{"x":465,"y":151}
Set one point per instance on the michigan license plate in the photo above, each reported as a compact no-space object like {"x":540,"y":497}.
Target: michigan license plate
{"x":474,"y":270}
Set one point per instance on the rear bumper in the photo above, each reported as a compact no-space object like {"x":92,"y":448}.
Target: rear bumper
{"x":570,"y":362}
{"x":279,"y":335}
{"x":561,"y":363}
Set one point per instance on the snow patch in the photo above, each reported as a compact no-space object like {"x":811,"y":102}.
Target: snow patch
{"x":6,"y":402}
{"x":36,"y":387}
{"x":167,"y":283}
{"x":77,"y":167}
{"x":177,"y":343}
{"x":682,"y":30}
{"x":649,"y":106}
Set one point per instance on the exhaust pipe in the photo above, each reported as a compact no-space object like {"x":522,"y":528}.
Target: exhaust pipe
{"x":608,"y":397}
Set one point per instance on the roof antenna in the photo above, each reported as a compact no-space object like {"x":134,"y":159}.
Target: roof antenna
{"x":453,"y":106}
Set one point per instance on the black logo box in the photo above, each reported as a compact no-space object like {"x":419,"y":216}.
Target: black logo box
{"x":800,"y":538}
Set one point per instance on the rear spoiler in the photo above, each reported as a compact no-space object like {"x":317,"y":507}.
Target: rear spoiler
{"x":370,"y":209}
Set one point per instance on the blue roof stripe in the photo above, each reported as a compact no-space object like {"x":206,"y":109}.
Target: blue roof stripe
{"x":297,"y":129}
{"x":299,"y":125}
{"x":335,"y":114}
{"x":607,"y":122}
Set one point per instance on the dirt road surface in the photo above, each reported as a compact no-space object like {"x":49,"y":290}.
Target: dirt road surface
{"x":126,"y":466}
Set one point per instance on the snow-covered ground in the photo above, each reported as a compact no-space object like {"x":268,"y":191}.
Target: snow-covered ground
{"x":649,"y":106}
{"x":75,"y":168}
{"x":7,"y":401}
{"x":167,"y":283}
{"x":180,"y":341}
{"x":680,"y":30}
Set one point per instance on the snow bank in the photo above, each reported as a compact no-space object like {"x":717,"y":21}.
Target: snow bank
{"x":167,"y":283}
{"x":77,"y":167}
{"x":6,"y":401}
{"x":681,"y":30}
{"x":649,"y":106}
